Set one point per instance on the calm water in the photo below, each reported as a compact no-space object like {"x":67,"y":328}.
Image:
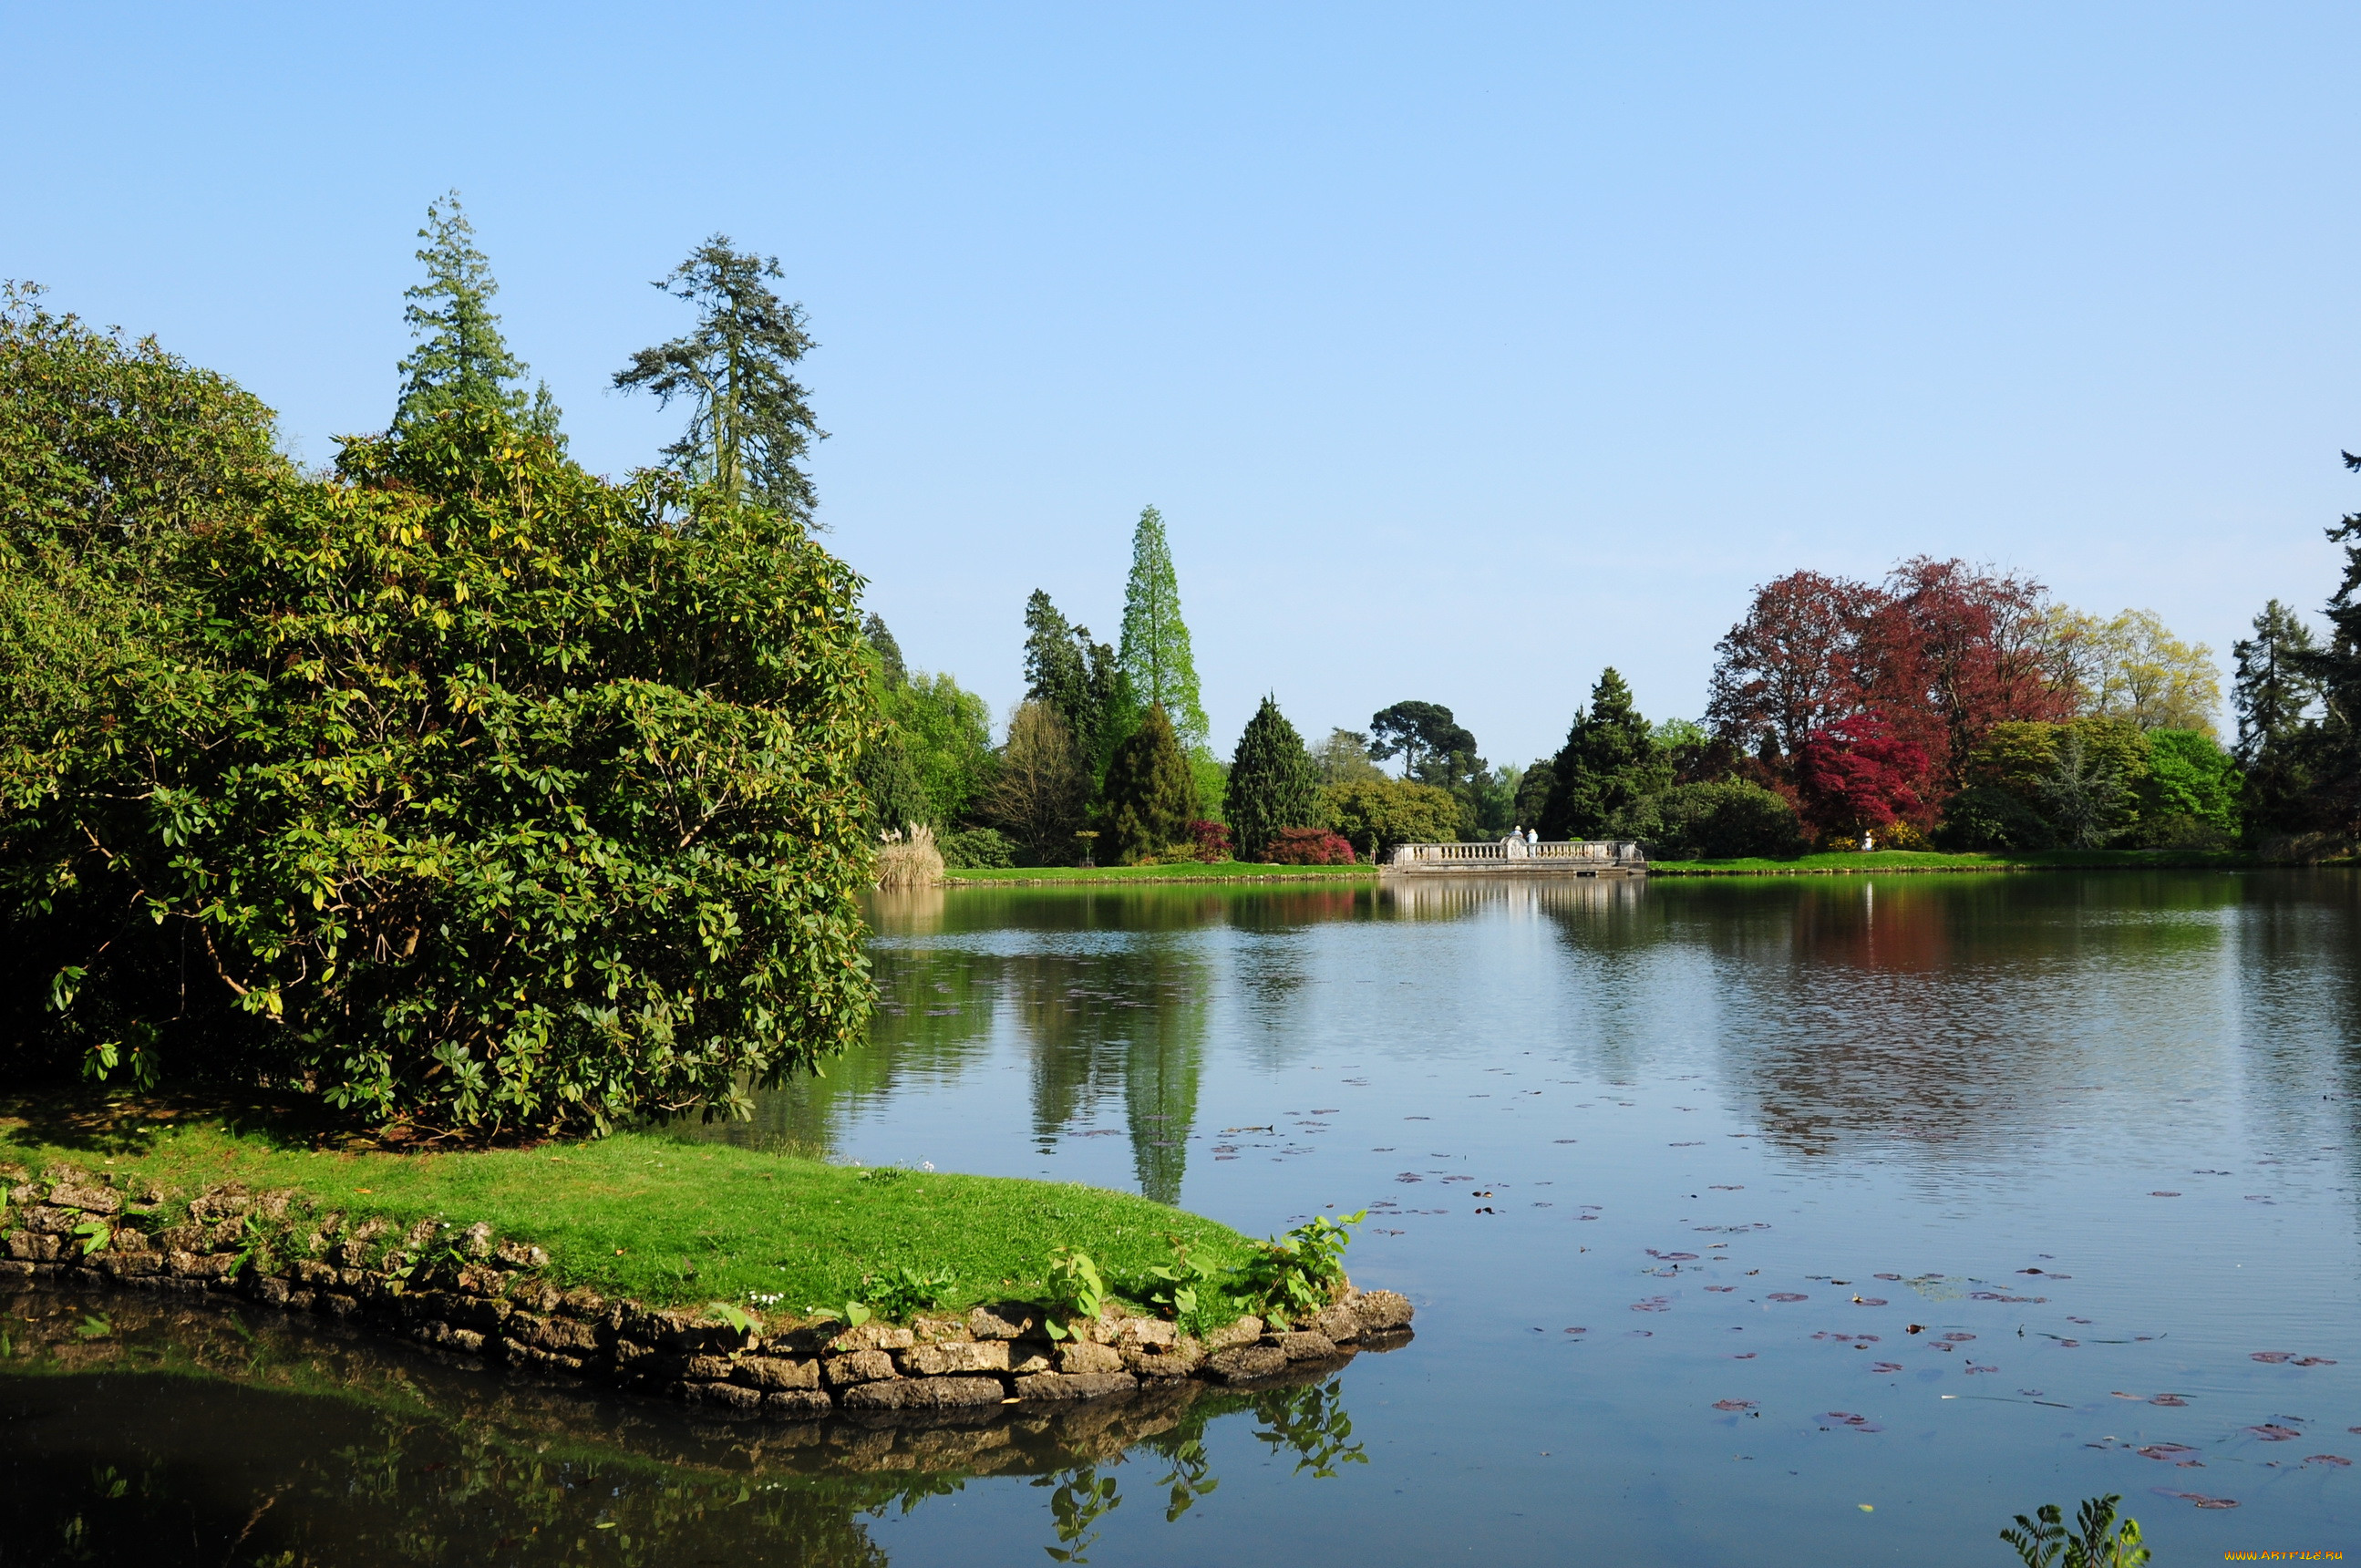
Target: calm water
{"x":1670,"y":1169}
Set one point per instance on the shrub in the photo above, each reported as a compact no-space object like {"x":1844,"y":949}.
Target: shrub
{"x":1292,"y":1279}
{"x":1307,"y":847}
{"x":1209,"y":841}
{"x":494,"y":795}
{"x":1374,"y":815}
{"x":1991,"y":817}
{"x":978,"y":848}
{"x":1718,"y":821}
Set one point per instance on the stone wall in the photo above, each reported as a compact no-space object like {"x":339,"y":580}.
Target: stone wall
{"x":472,"y":1295}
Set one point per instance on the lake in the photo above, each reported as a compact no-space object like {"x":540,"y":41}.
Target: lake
{"x":1778,"y":1220}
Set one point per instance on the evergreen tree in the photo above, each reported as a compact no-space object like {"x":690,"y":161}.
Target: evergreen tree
{"x":1608,"y":766}
{"x":1082,"y":680}
{"x":461,"y":360}
{"x":1156,"y":657}
{"x":1272,"y":784}
{"x":749,"y":422}
{"x":1151,"y":795}
{"x":2271,"y":690}
{"x":2333,"y":750}
{"x":1055,"y":667}
{"x":889,"y":653}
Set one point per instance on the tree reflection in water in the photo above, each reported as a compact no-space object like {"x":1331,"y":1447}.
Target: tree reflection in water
{"x":154,"y":1430}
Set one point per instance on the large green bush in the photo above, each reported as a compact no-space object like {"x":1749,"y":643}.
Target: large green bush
{"x":1728,"y":820}
{"x":1376,"y":815}
{"x":461,"y":786}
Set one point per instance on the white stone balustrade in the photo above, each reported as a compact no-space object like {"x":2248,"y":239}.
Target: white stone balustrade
{"x":1516,"y":854}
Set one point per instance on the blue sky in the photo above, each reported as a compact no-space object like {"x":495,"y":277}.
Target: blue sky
{"x":1466,"y":349}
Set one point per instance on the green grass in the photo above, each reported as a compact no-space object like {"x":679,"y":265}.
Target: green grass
{"x":1927,"y":861}
{"x":644,"y":1215}
{"x":1186,"y":871}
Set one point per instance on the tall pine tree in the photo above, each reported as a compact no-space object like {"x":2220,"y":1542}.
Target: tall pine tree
{"x":461,"y":359}
{"x":1272,"y":784}
{"x":1151,"y":794}
{"x":1608,"y":766}
{"x":749,"y":421}
{"x":2273,"y":692}
{"x":1156,"y":657}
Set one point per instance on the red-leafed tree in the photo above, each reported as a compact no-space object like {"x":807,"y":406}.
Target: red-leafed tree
{"x":1790,"y":667}
{"x":1857,"y":776}
{"x":1950,"y":650}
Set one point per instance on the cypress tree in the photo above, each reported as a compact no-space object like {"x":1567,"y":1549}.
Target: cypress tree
{"x":1272,"y":784}
{"x":1155,"y":656}
{"x":1150,"y":793}
{"x":462,"y":360}
{"x":1608,"y":765}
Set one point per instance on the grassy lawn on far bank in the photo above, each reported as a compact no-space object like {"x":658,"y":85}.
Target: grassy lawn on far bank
{"x":1185,"y":871}
{"x":1842,"y":862}
{"x":643,"y":1215}
{"x":1835,"y":863}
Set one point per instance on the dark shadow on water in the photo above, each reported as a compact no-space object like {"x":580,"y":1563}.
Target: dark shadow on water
{"x":160,"y":1431}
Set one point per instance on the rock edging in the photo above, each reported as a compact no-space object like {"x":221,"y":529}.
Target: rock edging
{"x":484,"y":1299}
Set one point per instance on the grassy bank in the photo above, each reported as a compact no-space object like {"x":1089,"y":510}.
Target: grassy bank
{"x":1888,"y":861}
{"x":1187,"y":870}
{"x":641,"y":1214}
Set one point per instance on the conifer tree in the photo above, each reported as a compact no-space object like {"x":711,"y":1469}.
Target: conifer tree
{"x":1151,"y":793}
{"x":1608,"y":765}
{"x":1272,"y":785}
{"x":1082,"y":680}
{"x":2271,"y":689}
{"x":750,"y":423}
{"x":1156,"y":657}
{"x":461,"y":359}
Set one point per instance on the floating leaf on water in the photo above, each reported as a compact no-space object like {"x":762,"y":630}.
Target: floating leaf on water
{"x":2200,"y":1498}
{"x":1577,"y":1330}
{"x":2313,"y":1361}
{"x":1743,"y":1356}
{"x":1639,"y":1334}
{"x":1788,"y":1295}
{"x":1565,"y":1140}
{"x":1653,"y":1304}
{"x":1692,"y":1144}
{"x":1959,"y":1338}
{"x":2271,"y":1431}
{"x":2164,"y":1194}
{"x":1974,"y":1368}
{"x":1885,"y":1366}
{"x":2119,"y":1394}
{"x":1749,"y":1404}
{"x":2273,"y":1356}
{"x":1868,"y":1301}
{"x":2336,"y":1459}
{"x":1728,"y":1186}
{"x":1721,"y":1289}
{"x":1885,"y":1277}
{"x":2172,"y":1451}
{"x":2173,"y":1399}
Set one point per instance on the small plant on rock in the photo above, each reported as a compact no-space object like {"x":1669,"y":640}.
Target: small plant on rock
{"x":1184,"y":1289}
{"x":1077,"y":1291}
{"x":902,"y":1291}
{"x":1290,"y":1279}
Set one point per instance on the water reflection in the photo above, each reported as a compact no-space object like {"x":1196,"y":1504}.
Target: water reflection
{"x":152,"y":1431}
{"x":1953,"y":1017}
